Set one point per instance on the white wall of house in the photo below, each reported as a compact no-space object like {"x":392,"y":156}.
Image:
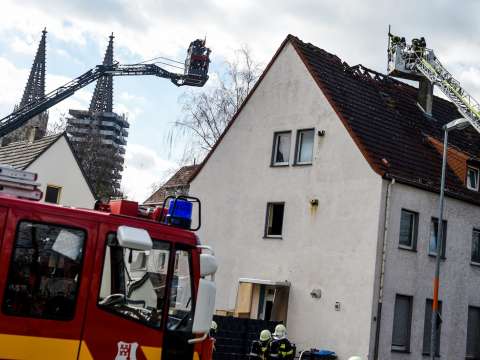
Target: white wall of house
{"x":333,"y":248}
{"x":411,"y":272}
{"x":57,"y":166}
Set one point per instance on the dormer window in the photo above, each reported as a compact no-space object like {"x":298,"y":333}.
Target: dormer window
{"x":472,"y":178}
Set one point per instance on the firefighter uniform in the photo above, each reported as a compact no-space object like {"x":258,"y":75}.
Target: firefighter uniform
{"x":281,"y":349}
{"x":261,"y":348}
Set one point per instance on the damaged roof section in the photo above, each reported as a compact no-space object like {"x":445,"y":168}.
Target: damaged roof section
{"x":394,"y":134}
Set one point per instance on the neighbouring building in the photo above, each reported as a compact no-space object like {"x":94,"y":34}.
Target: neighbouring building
{"x":34,"y":90}
{"x":99,"y":135}
{"x":178,"y":184}
{"x":60,"y":175}
{"x":320,"y":200}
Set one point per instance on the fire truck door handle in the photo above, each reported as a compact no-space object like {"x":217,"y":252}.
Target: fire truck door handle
{"x":198,"y":339}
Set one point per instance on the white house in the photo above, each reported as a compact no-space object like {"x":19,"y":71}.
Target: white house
{"x":320,"y":200}
{"x":61,"y":177}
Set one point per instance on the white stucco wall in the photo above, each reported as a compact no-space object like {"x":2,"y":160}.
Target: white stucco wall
{"x":411,"y":273}
{"x":333,"y":248}
{"x":57,"y":166}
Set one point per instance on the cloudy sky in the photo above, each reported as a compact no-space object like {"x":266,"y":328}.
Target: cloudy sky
{"x":78,"y":33}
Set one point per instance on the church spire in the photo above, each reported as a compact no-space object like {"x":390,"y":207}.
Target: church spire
{"x":35,"y":88}
{"x":102,"y":100}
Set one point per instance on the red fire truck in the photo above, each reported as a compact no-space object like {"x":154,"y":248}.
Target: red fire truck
{"x":115,"y":283}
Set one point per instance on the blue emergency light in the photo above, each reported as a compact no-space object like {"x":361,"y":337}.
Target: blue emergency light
{"x":180,"y":213}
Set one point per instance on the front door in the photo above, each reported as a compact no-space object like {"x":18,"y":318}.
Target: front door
{"x":44,"y":275}
{"x":127,"y":307}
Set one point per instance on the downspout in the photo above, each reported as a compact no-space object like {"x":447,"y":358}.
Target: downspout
{"x":382,"y":268}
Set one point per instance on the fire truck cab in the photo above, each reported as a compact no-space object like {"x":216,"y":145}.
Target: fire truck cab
{"x":86,"y":284}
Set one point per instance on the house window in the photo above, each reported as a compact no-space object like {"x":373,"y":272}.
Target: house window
{"x":402,"y":321}
{"x":281,"y":148}
{"x":472,"y":178}
{"x":44,"y":272}
{"x":304,"y":148}
{"x":473,"y":333}
{"x":52,"y":194}
{"x":432,"y":247}
{"x":274,"y":223}
{"x":428,"y":328}
{"x":476,"y":246}
{"x":408,"y":229}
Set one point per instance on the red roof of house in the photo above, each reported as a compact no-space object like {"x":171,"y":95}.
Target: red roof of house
{"x":382,"y":116}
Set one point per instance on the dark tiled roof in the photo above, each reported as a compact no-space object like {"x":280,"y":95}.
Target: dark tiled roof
{"x":179,"y":180}
{"x":22,"y":153}
{"x":382,"y":116}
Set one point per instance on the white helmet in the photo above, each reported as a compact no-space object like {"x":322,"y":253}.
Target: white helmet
{"x":280,"y":331}
{"x":214,"y":326}
{"x":355,"y":358}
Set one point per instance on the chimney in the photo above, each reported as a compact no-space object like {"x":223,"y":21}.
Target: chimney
{"x":425,"y":96}
{"x":31,"y":132}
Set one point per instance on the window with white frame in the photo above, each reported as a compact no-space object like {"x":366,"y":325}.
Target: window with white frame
{"x":281,"y":148}
{"x":408,"y":229}
{"x":472,"y":178}
{"x":304,"y":148}
{"x":274,"y":221}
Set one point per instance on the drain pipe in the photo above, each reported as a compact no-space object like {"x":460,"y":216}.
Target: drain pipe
{"x":382,"y":268}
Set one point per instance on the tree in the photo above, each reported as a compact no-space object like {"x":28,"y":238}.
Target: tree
{"x":58,"y":126}
{"x":207,"y":113}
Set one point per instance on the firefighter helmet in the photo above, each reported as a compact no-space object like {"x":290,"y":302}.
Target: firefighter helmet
{"x":265,"y":335}
{"x":214,"y":326}
{"x":280,"y":331}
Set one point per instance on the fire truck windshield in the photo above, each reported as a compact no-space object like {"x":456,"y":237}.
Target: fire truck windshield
{"x":134,"y":282}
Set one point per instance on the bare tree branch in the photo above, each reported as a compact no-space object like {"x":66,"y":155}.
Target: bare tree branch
{"x":206,"y":114}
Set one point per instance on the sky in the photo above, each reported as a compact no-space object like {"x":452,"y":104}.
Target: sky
{"x":78,"y":33}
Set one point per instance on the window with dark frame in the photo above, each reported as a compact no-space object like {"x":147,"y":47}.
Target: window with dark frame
{"x":475,"y":257}
{"x":473,"y":333}
{"x":44,"y":272}
{"x":472,"y":178}
{"x":408,"y":229}
{"x":304,"y":146}
{"x":281,"y":148}
{"x":427,"y":329}
{"x":402,"y":321}
{"x":274,"y":221}
{"x":52,"y":194}
{"x":432,"y":246}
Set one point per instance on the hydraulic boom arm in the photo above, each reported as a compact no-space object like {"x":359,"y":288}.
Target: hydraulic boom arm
{"x":196,"y":74}
{"x":415,"y":61}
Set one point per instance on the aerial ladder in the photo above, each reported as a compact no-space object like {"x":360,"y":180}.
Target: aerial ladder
{"x":195,"y":74}
{"x":416,"y":61}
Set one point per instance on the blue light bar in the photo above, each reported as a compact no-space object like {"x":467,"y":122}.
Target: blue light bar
{"x":180,"y":213}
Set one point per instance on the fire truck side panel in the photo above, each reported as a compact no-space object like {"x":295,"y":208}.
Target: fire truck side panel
{"x":46,"y":261}
{"x":3,"y":217}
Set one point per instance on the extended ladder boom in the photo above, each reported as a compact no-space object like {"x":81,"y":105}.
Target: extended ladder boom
{"x":415,"y":61}
{"x":196,"y":74}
